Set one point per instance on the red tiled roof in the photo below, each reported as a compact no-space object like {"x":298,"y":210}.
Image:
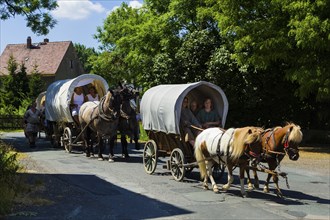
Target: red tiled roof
{"x":47,"y":56}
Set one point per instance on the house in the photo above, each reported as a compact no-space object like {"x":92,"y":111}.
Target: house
{"x":54,"y":60}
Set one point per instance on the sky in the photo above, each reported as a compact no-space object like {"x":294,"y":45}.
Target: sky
{"x":77,"y":21}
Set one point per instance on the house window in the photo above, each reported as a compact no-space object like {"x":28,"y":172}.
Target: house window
{"x":71,"y":64}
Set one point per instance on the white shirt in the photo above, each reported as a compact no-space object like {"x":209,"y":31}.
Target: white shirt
{"x":91,"y":98}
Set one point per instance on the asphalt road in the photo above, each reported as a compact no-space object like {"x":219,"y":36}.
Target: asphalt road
{"x":71,"y":186}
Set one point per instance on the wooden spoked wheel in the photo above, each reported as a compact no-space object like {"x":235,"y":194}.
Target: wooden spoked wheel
{"x":67,"y":139}
{"x":150,"y":156}
{"x":177,"y":161}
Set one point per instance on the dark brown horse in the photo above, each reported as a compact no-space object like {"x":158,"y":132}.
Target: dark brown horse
{"x":99,"y":120}
{"x":278,"y":142}
{"x":128,"y":124}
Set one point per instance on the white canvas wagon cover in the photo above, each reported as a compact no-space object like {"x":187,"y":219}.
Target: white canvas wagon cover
{"x":59,"y":93}
{"x":161,"y":105}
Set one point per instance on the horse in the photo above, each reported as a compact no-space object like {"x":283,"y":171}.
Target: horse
{"x":99,"y":120}
{"x":276,"y":143}
{"x":235,"y":146}
{"x":128,"y":124}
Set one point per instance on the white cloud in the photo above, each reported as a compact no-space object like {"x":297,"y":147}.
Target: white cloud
{"x":135,"y":4}
{"x":132,"y":4}
{"x":76,"y":9}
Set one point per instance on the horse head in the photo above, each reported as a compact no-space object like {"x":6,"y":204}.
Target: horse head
{"x":128,"y":104}
{"x":291,"y":140}
{"x":247,"y":141}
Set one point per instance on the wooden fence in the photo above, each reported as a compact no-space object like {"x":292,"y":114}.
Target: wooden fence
{"x":11,"y":122}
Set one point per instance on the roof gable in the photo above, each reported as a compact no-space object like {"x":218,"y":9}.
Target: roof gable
{"x":46,"y":55}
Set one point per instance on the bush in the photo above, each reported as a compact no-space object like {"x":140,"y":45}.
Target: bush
{"x":8,"y":169}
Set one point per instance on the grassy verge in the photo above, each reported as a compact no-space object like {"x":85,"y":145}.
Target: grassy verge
{"x":9,"y":181}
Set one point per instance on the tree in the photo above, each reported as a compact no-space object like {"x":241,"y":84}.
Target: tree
{"x":34,"y":11}
{"x":15,"y":85}
{"x":36,"y":83}
{"x":294,"y":34}
{"x":86,"y":56}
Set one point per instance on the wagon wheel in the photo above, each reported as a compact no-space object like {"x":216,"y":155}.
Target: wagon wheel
{"x":150,"y":156}
{"x":177,"y":162}
{"x":67,"y":139}
{"x":218,"y":170}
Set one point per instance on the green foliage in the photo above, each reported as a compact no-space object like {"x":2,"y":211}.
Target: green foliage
{"x":36,"y":84}
{"x":15,"y":85}
{"x":293,"y":33}
{"x":86,"y":56}
{"x":8,"y":168}
{"x":35,"y":12}
{"x":269,"y":57}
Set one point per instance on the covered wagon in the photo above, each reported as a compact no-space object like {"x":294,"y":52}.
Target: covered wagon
{"x":160,"y":112}
{"x":57,"y":109}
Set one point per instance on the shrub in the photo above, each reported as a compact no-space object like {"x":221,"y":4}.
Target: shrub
{"x":8,"y":169}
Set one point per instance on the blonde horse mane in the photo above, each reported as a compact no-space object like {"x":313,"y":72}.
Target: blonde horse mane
{"x":295,"y":135}
{"x":243,"y":136}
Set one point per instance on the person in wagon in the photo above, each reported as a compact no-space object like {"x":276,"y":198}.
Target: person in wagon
{"x":207,"y":116}
{"x":187,"y":120}
{"x":194,"y":107}
{"x":77,"y":100}
{"x":92,"y":95}
{"x":32,"y":119}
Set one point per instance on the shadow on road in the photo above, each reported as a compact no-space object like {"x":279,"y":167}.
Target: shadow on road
{"x":60,"y":196}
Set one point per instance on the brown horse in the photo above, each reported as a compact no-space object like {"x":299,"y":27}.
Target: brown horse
{"x":276,"y":143}
{"x":232,"y":147}
{"x":99,"y":120}
{"x":128,"y":124}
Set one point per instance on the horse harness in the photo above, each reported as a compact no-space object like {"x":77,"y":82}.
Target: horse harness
{"x":113,"y":115}
{"x":275,"y":154}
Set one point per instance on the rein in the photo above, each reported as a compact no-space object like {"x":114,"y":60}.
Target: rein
{"x":102,"y":113}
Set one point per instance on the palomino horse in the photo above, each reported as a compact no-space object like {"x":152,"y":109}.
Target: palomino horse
{"x":128,"y":124}
{"x":99,"y":119}
{"x":276,"y":143}
{"x":232,"y":147}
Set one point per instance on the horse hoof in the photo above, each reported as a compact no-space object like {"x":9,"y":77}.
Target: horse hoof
{"x":244,"y":195}
{"x":88,"y":155}
{"x":216,"y":190}
{"x":111,"y":160}
{"x":100,"y":159}
{"x":125,"y":156}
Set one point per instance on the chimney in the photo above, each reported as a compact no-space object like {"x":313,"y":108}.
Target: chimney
{"x":29,"y":42}
{"x":46,"y":40}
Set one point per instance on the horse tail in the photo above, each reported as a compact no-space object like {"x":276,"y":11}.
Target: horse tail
{"x":200,"y":158}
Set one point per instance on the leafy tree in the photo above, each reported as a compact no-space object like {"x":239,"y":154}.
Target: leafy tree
{"x":35,"y":12}
{"x":15,"y":86}
{"x":85,"y":56}
{"x":294,"y":34}
{"x":36,"y":83}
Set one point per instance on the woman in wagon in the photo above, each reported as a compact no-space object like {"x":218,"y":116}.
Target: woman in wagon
{"x":77,"y":100}
{"x":194,"y":107}
{"x":187,"y":120}
{"x":92,"y":96}
{"x":32,"y":119}
{"x":207,"y":116}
